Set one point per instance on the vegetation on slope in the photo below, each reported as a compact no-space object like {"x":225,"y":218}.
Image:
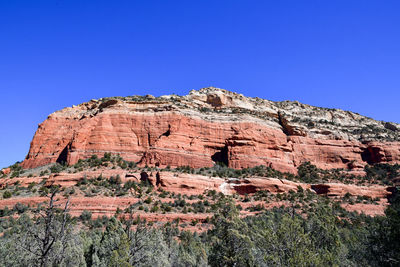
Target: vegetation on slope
{"x":277,"y":237}
{"x":309,"y":230}
{"x":381,"y":173}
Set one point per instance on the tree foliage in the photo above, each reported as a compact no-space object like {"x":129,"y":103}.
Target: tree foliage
{"x":277,"y":237}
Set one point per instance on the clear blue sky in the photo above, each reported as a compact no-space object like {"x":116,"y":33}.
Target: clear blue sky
{"x":338,"y":54}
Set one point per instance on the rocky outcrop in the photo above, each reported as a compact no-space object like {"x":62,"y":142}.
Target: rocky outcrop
{"x":188,"y":184}
{"x":194,"y":184}
{"x":212,"y":125}
{"x":340,"y":190}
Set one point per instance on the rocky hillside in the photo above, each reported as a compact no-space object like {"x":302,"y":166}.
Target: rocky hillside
{"x":191,"y":176}
{"x":108,"y":184}
{"x":214,"y":125}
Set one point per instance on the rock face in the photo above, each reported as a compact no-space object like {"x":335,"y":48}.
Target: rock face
{"x":213,"y":125}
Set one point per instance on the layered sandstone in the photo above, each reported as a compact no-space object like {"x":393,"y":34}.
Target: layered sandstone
{"x":213,"y":125}
{"x":195,"y":184}
{"x":190,"y":184}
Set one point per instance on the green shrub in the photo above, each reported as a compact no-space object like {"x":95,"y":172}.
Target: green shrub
{"x":155,"y":208}
{"x":31,"y":185}
{"x":106,"y":157}
{"x":7,"y":194}
{"x":20,"y":208}
{"x":85,"y":216}
{"x":115,"y":180}
{"x":382,"y":172}
{"x":56,"y":168}
{"x":308,"y":173}
{"x":148,"y":200}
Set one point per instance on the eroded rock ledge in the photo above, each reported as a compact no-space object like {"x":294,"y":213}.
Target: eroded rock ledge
{"x":191,"y":184}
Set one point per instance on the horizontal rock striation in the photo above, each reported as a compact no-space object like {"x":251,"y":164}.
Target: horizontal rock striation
{"x":210,"y":126}
{"x":190,"y":184}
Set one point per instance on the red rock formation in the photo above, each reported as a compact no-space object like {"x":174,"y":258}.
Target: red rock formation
{"x":338,"y":189}
{"x":193,"y":184}
{"x":163,"y":133}
{"x":189,"y":184}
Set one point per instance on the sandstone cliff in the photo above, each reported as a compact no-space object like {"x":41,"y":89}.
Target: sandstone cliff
{"x":213,"y":125}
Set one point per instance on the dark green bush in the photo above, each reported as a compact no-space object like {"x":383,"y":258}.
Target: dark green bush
{"x":308,"y":173}
{"x":7,"y":194}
